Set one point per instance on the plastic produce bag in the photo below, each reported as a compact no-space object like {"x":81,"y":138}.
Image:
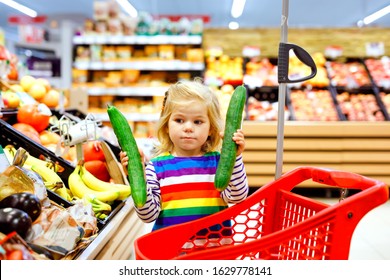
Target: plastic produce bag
{"x":56,"y":230}
{"x":14,"y":180}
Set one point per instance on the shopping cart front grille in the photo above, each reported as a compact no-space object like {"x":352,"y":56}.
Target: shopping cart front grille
{"x":308,"y":245}
{"x":239,"y":229}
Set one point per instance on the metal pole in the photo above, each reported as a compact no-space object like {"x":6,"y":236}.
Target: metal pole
{"x":282,"y":96}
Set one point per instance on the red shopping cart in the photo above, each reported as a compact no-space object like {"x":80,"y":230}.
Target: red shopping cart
{"x":273,"y":223}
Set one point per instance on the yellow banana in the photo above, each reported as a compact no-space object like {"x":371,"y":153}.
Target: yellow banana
{"x":10,"y":152}
{"x":79,"y":189}
{"x":48,"y":175}
{"x":53,"y":185}
{"x":31,"y":160}
{"x":52,"y":180}
{"x":101,"y":215}
{"x":63,"y":192}
{"x":96,"y":184}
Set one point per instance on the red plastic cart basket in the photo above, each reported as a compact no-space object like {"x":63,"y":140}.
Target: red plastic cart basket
{"x":273,"y":223}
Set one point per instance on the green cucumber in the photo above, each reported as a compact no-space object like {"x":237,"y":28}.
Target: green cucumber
{"x":229,"y":147}
{"x":128,"y":144}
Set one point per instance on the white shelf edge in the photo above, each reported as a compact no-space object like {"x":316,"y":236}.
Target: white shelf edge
{"x":127,"y":91}
{"x":156,"y":65}
{"x":135,"y":117}
{"x":138,"y":39}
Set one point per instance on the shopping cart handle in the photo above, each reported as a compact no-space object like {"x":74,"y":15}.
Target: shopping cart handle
{"x":341,"y":179}
{"x":283,"y":62}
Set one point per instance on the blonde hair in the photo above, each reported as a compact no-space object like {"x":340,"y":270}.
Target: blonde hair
{"x":182,"y":94}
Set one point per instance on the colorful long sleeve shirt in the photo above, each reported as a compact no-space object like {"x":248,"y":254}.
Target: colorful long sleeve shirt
{"x":181,"y":189}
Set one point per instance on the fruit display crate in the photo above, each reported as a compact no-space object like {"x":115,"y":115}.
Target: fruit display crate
{"x":361,"y":104}
{"x":315,"y":104}
{"x":385,"y":97}
{"x":9,"y":135}
{"x":351,"y":86}
{"x":348,"y":73}
{"x":266,"y":98}
{"x":8,"y":115}
{"x":379,"y":72}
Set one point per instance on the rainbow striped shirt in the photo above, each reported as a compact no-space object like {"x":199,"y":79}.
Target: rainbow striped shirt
{"x":181,"y":189}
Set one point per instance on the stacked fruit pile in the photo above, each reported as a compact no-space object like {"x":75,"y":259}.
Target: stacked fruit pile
{"x":380,"y":71}
{"x":313,"y":105}
{"x":350,"y":74}
{"x":224,"y":69}
{"x":37,"y":88}
{"x":360,"y":107}
{"x":260,"y":72}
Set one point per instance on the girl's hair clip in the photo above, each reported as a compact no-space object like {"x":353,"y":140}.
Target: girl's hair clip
{"x":164,"y":101}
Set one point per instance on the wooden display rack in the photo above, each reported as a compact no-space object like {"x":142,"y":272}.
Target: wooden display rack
{"x":359,"y":147}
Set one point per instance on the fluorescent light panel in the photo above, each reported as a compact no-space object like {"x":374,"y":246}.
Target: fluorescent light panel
{"x":237,"y":8}
{"x":20,"y":8}
{"x":128,"y":7}
{"x":233,"y":25}
{"x":377,"y":15}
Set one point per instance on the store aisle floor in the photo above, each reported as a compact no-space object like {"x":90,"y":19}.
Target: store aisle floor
{"x":371,"y":238}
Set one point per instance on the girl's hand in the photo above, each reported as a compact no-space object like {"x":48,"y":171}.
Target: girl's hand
{"x":125,"y":160}
{"x":239,"y":139}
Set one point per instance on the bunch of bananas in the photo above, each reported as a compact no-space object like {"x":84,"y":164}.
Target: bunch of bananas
{"x":47,"y":170}
{"x":84,"y":185}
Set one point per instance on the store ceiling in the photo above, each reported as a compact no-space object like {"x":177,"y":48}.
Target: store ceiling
{"x":257,"y":13}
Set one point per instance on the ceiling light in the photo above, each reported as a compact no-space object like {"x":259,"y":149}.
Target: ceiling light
{"x":128,"y":7}
{"x":233,"y":25}
{"x":237,"y":8}
{"x":377,"y":15}
{"x":20,"y":8}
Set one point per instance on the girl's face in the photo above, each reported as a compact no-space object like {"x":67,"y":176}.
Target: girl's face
{"x":188,"y":129}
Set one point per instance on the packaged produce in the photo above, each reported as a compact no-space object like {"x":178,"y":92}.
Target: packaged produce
{"x":14,"y":180}
{"x":56,"y":230}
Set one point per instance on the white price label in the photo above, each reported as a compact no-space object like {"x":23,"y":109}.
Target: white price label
{"x":333,"y":51}
{"x":375,"y":49}
{"x":251,"y":51}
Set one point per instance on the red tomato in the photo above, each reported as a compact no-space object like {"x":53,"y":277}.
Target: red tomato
{"x":37,"y":116}
{"x":93,"y":151}
{"x":99,"y":169}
